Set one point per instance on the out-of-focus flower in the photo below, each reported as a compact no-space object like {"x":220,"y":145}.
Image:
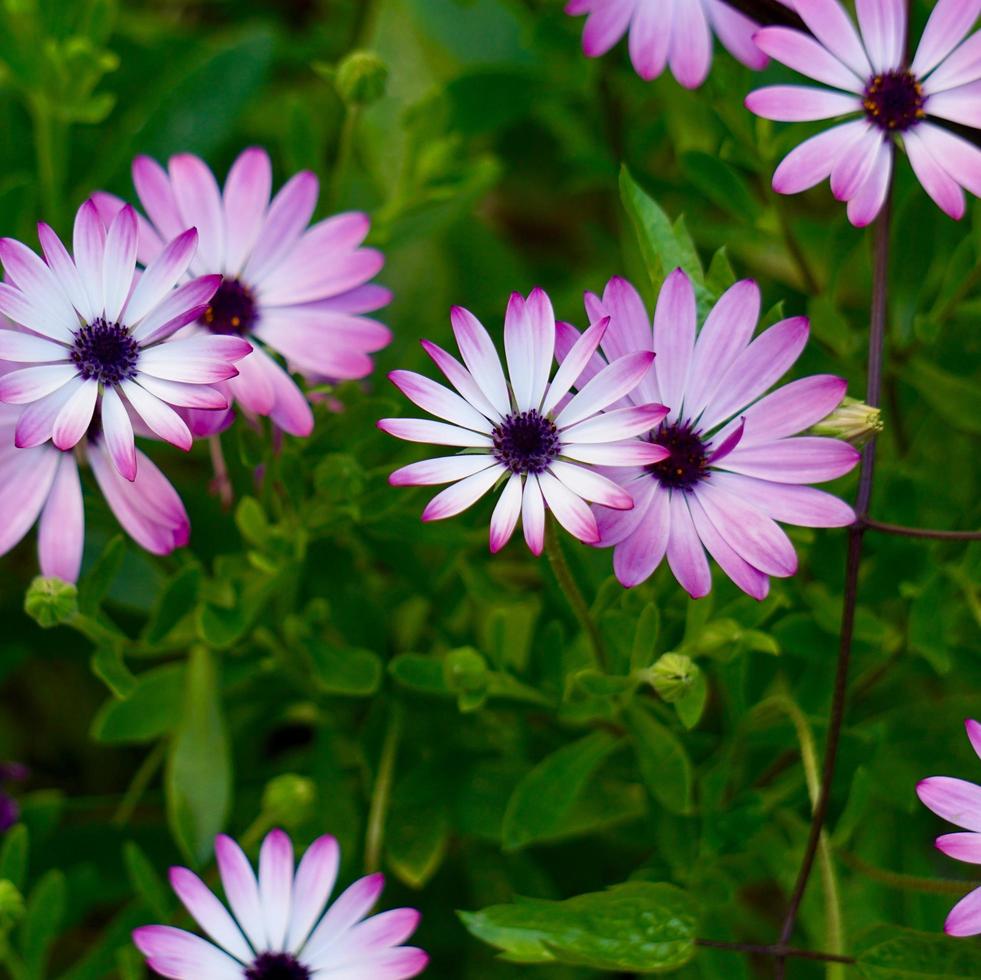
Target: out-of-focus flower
{"x":44,"y":481}
{"x":959,"y":802}
{"x":870,"y":77}
{"x":675,"y":33}
{"x":298,"y":291}
{"x":735,"y":465}
{"x":277,"y":928}
{"x":10,"y":772}
{"x":98,"y":337}
{"x":853,"y":421}
{"x":522,"y":430}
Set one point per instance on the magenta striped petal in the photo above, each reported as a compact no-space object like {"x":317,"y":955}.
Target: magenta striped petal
{"x":808,"y":57}
{"x":480,"y":357}
{"x":438,"y":433}
{"x":244,"y":202}
{"x":63,"y":267}
{"x":674,"y":339}
{"x":149,"y":244}
{"x":312,"y":886}
{"x":201,"y":359}
{"x":29,"y":384}
{"x":751,"y":580}
{"x":462,"y":380}
{"x":439,"y":401}
{"x":961,"y":847}
{"x":198,"y":200}
{"x":289,"y":213}
{"x":591,"y":486}
{"x":690,"y":55}
{"x":612,"y":383}
{"x":457,"y":498}
{"x":814,"y":159}
{"x":72,"y":422}
{"x":443,"y":469}
{"x":23,"y":310}
{"x":184,"y":305}
{"x":61,"y":533}
{"x":533,"y":515}
{"x":34,"y":279}
{"x":956,"y":800}
{"x":800,"y":103}
{"x":573,"y":364}
{"x":569,"y":509}
{"x":788,"y":503}
{"x":161,"y":275}
{"x":621,"y":423}
{"x":796,"y":459}
{"x":209,"y":913}
{"x":830,"y":24}
{"x":119,"y":263}
{"x":182,"y":955}
{"x":506,"y":513}
{"x":118,"y":431}
{"x":685,"y":553}
{"x":964,"y":918}
{"x":158,"y":415}
{"x":37,"y":419}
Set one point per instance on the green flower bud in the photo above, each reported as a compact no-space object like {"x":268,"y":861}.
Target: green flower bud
{"x":853,"y":421}
{"x":672,"y":675}
{"x":11,"y":905}
{"x":50,"y":601}
{"x":289,"y":799}
{"x":361,"y":78}
{"x":465,"y":671}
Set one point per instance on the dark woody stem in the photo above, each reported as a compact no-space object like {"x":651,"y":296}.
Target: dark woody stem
{"x":856,"y":533}
{"x":775,"y":950}
{"x":921,"y":532}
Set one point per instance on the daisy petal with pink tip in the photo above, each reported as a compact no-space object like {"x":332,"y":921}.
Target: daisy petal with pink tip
{"x":523,"y":433}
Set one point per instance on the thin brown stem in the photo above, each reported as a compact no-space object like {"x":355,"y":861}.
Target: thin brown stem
{"x":877,"y":333}
{"x":789,"y":952}
{"x":221,"y":485}
{"x":933,"y":886}
{"x":921,"y":532}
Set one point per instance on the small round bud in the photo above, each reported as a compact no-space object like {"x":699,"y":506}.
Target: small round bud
{"x":853,"y":421}
{"x":11,"y":905}
{"x":50,"y":601}
{"x":361,"y":78}
{"x":289,"y":799}
{"x":672,"y":675}
{"x":465,"y":671}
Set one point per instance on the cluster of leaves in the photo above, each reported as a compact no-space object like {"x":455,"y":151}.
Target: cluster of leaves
{"x":319,"y":659}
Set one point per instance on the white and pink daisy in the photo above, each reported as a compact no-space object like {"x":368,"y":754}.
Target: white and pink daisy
{"x":735,"y":464}
{"x":289,"y":289}
{"x":871,"y":79}
{"x":43,"y":482}
{"x":521,"y":430}
{"x":277,"y":928}
{"x":99,"y":337}
{"x":959,"y":802}
{"x":675,"y":33}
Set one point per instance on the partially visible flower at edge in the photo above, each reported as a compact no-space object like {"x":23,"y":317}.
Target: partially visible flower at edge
{"x":669,"y":32}
{"x":287,"y":288}
{"x":9,"y":807}
{"x":959,"y":802}
{"x":278,"y":929}
{"x":525,"y":434}
{"x":735,"y":464}
{"x":870,"y":75}
{"x":44,"y":482}
{"x":99,"y":340}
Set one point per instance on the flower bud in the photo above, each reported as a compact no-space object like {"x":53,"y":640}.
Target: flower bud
{"x":672,"y":675}
{"x":465,"y":671}
{"x":50,"y":601}
{"x":853,"y":421}
{"x":289,"y":799}
{"x":361,"y":78}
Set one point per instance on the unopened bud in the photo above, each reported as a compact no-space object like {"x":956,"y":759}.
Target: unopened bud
{"x":672,"y":675}
{"x":853,"y":421}
{"x":465,"y":671}
{"x":289,"y":799}
{"x":50,"y":601}
{"x":361,"y":78}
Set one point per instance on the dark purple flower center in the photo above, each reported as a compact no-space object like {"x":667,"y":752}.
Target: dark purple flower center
{"x":688,"y":463}
{"x":105,"y":352}
{"x":894,"y":101}
{"x":232,"y":309}
{"x":277,"y":966}
{"x":526,"y":442}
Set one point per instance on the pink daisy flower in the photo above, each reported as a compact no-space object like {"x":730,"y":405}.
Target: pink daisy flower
{"x":43,"y":482}
{"x":277,"y":928}
{"x":523,"y":431}
{"x":872,"y":79}
{"x":735,"y":464}
{"x":290,"y":289}
{"x":677,"y":33}
{"x":959,"y":802}
{"x":99,"y":337}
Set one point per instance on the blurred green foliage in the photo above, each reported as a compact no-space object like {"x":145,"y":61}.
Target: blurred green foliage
{"x":317,"y":645}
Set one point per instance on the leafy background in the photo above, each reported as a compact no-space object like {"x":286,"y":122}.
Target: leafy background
{"x":320,"y":659}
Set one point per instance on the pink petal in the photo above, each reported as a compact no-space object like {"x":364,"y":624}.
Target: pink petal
{"x":89,"y":246}
{"x":541,"y":323}
{"x":244,"y":202}
{"x":796,"y":459}
{"x":185,"y":395}
{"x":630,"y":326}
{"x":506,"y":513}
{"x":161,"y":275}
{"x":457,"y":498}
{"x":241,"y":890}
{"x":961,"y":67}
{"x":959,"y":158}
{"x":24,"y":310}
{"x":312,"y":886}
{"x":30,"y":384}
{"x":808,"y":57}
{"x":149,"y":244}
{"x":462,"y":380}
{"x":948,"y":23}
{"x":573,"y":364}
{"x":158,"y":415}
{"x":591,"y":486}
{"x":814,"y":159}
{"x":63,"y":267}
{"x":649,"y":39}
{"x":119,"y":263}
{"x":690,"y":54}
{"x":617,"y":525}
{"x":533,"y":515}
{"x":61,"y":534}
{"x":642,"y":550}
{"x":276,"y":886}
{"x":253,"y":388}
{"x":956,"y":800}
{"x":25,"y":481}
{"x":974,"y":735}
{"x":964,"y":918}
{"x":181,"y":307}
{"x":789,"y":503}
{"x":72,"y":422}
{"x":25,"y":348}
{"x":621,"y":423}
{"x":291,"y":410}
{"x":569,"y":509}
{"x":37,"y":419}
{"x":157,"y":197}
{"x":438,"y":433}
{"x":439,"y":401}
{"x":209,"y":913}
{"x":833,"y":27}
{"x":519,"y":350}
{"x":182,"y":955}
{"x":865,"y":205}
{"x":736,"y":31}
{"x":944,"y":190}
{"x":883,"y":26}
{"x":199,"y":203}
{"x":855,"y":163}
{"x":634,"y":452}
{"x":605,"y":26}
{"x":674,"y":339}
{"x":686,"y":556}
{"x":288,"y":215}
{"x":37,"y":283}
{"x":443,"y":469}
{"x":481,"y":358}
{"x":201,"y":359}
{"x":352,"y":906}
{"x":800,"y":103}
{"x":611,"y":384}
{"x":961,"y":847}
{"x":118,"y":431}
{"x":960,"y":105}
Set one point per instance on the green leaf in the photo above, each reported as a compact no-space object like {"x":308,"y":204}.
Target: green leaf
{"x":355,"y":673}
{"x":14,"y":855}
{"x":94,"y":586}
{"x":221,"y":626}
{"x":957,"y":400}
{"x":891,"y":953}
{"x":418,"y":826}
{"x":252,"y":522}
{"x":637,"y":927}
{"x":177,"y":600}
{"x":663,"y":762}
{"x":152,"y":709}
{"x":546,"y":793}
{"x":691,"y":704}
{"x":199,"y":779}
{"x":645,"y":637}
{"x":419,"y":672}
{"x":108,"y":665}
{"x":45,"y":911}
{"x":720,"y":274}
{"x":721,"y":184}
{"x":146,"y":881}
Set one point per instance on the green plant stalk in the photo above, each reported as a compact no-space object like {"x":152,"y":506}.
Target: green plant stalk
{"x":381,"y":795}
{"x":345,"y":153}
{"x":49,"y":174}
{"x":138,"y":786}
{"x":556,"y":557}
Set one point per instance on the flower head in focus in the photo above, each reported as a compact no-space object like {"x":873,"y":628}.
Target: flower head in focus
{"x":99,"y":339}
{"x":891,"y":97}
{"x":522,"y":430}
{"x":278,"y":928}
{"x":43,"y":482}
{"x":296,"y":290}
{"x":734,"y":464}
{"x":959,"y":802}
{"x":675,"y":33}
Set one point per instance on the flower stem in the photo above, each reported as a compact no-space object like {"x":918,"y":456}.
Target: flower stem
{"x":556,"y":557}
{"x":934,"y":886}
{"x":45,"y":138}
{"x":811,"y":285}
{"x":222,"y":484}
{"x":921,"y":532}
{"x":345,"y":152}
{"x":775,"y":950}
{"x":375,"y":835}
{"x":144,"y":775}
{"x":877,"y":333}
